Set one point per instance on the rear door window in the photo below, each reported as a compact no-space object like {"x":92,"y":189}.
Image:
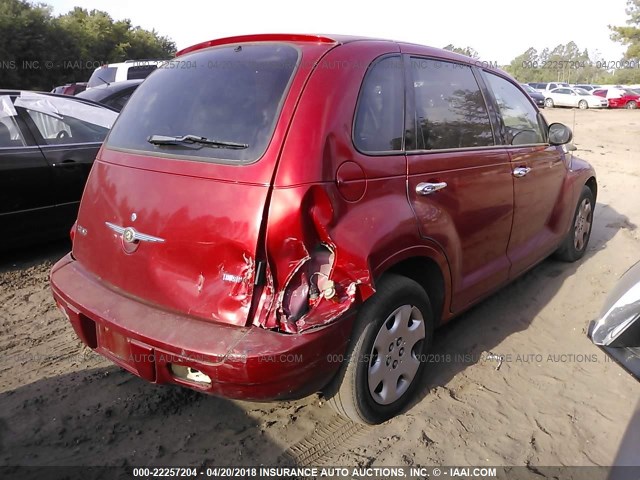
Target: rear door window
{"x":230,"y":94}
{"x":450,"y":110}
{"x":10,"y":135}
{"x":138,"y":72}
{"x":380,"y":114}
{"x":64,"y":120}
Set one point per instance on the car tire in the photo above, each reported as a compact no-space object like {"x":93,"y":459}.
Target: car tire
{"x":399,"y":304}
{"x":583,"y":105}
{"x":632,"y":105}
{"x":575,"y":243}
{"x":548,"y":102}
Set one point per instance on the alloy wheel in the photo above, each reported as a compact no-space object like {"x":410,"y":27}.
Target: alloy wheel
{"x":582,"y":225}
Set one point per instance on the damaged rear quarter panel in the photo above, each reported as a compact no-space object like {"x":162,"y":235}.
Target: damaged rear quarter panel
{"x":302,"y":250}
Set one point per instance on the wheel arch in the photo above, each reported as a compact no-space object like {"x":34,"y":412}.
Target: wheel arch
{"x":593,"y":185}
{"x":430,"y":269}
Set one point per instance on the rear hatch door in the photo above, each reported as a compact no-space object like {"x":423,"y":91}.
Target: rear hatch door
{"x":172,"y":219}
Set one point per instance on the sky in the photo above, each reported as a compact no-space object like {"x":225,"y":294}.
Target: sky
{"x":499,"y":30}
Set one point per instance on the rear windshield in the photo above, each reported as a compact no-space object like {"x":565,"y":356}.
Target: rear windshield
{"x":102,"y":76}
{"x":229,"y":94}
{"x":139,"y":72}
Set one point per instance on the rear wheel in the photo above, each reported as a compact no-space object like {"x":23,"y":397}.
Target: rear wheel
{"x":384,"y":361}
{"x":548,"y":102}
{"x":575,"y":244}
{"x":632,"y":105}
{"x":583,"y":105}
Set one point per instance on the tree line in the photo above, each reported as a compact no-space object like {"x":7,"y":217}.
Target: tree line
{"x":39,"y":50}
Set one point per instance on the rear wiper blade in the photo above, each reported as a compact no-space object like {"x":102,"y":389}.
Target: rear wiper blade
{"x":165,"y":140}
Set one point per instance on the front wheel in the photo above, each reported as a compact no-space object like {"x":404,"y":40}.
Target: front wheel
{"x":548,"y":103}
{"x":575,"y":243}
{"x":583,"y":105}
{"x":385,"y":358}
{"x":632,"y":105}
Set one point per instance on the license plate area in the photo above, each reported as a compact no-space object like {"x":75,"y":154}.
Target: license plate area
{"x":114,"y":343}
{"x":130,"y":354}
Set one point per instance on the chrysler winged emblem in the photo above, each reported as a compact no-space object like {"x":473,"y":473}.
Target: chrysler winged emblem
{"x":131,"y":236}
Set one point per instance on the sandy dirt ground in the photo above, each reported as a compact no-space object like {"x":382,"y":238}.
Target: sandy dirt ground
{"x":555,"y":400}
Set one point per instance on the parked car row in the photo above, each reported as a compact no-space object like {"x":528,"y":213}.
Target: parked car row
{"x":235,"y":238}
{"x":547,"y":87}
{"x":122,"y":77}
{"x":562,"y":94}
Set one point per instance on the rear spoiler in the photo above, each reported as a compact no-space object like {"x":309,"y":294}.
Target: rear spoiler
{"x":265,"y":37}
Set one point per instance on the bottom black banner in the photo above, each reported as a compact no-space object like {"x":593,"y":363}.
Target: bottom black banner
{"x":326,"y":473}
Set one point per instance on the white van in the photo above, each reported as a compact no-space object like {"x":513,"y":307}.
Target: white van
{"x":117,"y":72}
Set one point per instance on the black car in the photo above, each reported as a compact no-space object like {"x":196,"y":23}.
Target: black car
{"x":534,"y":94}
{"x":47,"y":145}
{"x":114,"y":95}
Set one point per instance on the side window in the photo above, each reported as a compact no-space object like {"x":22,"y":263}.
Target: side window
{"x":10,"y":135}
{"x":379,"y":121}
{"x":519,"y":116}
{"x":62,"y":121}
{"x":450,"y":110}
{"x":52,"y":129}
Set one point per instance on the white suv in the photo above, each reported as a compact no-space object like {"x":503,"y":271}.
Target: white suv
{"x":117,"y":72}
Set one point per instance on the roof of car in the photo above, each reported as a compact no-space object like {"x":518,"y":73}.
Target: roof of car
{"x":330,"y":39}
{"x":101,"y":92}
{"x":74,"y":98}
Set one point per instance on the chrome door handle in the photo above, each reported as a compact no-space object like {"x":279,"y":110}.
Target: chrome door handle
{"x":429,"y":188}
{"x":521,"y":171}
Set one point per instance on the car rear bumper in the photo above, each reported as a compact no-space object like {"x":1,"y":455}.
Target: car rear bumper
{"x":240,"y":362}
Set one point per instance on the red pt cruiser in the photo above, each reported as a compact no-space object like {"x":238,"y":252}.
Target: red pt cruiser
{"x":276,"y":215}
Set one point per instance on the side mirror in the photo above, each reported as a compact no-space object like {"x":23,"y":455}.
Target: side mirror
{"x":559,"y":134}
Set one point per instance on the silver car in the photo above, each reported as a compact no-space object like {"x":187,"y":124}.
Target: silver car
{"x":617,"y":331}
